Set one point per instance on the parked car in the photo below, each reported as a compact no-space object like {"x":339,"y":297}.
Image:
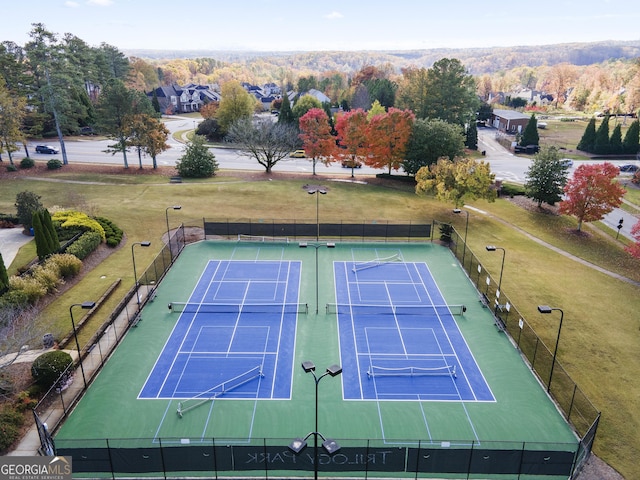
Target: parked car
{"x":566,"y":162}
{"x":629,"y":168}
{"x":527,"y":149}
{"x":298,"y":154}
{"x":46,"y":149}
{"x":351,"y":164}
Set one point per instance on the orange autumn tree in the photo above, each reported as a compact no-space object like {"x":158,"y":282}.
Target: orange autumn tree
{"x":353,"y":136}
{"x":634,"y":248}
{"x":592,"y":192}
{"x":388,"y":135}
{"x":318,"y":143}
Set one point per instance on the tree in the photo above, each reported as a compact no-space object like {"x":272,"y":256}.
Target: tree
{"x":376,"y":109}
{"x":631,"y":142}
{"x":588,"y":140}
{"x":530,"y":135}
{"x":4,"y":276}
{"x":388,"y":138}
{"x":12,"y":113}
{"x":264,"y":140}
{"x":352,"y":136}
{"x":592,"y":192}
{"x":235,"y":105}
{"x":383,"y":91}
{"x":361,"y":98}
{"x":460,"y":181}
{"x":43,"y":245}
{"x":451,"y":92}
{"x":412,"y":91}
{"x":286,"y":115}
{"x":471,"y":138}
{"x":27,"y":203}
{"x":601,"y":144}
{"x":546,"y":177}
{"x":317,"y":141}
{"x":430,"y":140}
{"x":146,"y":134}
{"x":303,"y":105}
{"x":633,"y":248}
{"x":197,"y":161}
{"x":615,"y":141}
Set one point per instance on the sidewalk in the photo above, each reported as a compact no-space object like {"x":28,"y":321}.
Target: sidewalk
{"x":11,"y":239}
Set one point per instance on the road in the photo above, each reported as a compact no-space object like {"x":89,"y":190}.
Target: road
{"x":504,"y":164}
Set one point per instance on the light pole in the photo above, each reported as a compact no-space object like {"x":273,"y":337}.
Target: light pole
{"x":331,"y":446}
{"x":316,"y":246}
{"x":492,"y":248}
{"x":317,"y":190}
{"x":545,"y":309}
{"x":166,"y":215}
{"x":86,"y":306}
{"x":133,"y":259}
{"x":466,"y":229}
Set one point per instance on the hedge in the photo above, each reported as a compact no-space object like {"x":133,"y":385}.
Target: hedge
{"x":85,"y":244}
{"x":48,"y":367}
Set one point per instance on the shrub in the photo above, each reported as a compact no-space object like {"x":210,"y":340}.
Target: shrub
{"x":27,"y":162}
{"x":112,"y":232}
{"x":48,"y":367}
{"x":27,"y":203}
{"x":511,"y":190}
{"x":25,"y":402}
{"x":54,"y":164}
{"x":68,"y":265}
{"x":26,"y":288}
{"x":10,"y":422}
{"x":73,"y":219}
{"x":197,"y":161}
{"x":47,"y":276}
{"x":12,"y":168}
{"x":84,"y":245}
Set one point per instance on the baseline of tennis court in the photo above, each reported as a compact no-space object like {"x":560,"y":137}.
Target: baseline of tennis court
{"x":235,"y":336}
{"x":399,"y":338}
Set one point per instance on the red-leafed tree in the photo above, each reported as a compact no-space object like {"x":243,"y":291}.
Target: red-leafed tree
{"x":353,"y":136}
{"x":318,"y":143}
{"x":634,"y":248}
{"x":592,"y":192}
{"x":388,"y":138}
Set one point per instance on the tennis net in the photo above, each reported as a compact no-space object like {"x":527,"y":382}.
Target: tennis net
{"x":189,"y":307}
{"x":261,"y":238}
{"x":376,"y":262}
{"x":220,"y":389}
{"x":365,"y":309}
{"x":376,"y":371}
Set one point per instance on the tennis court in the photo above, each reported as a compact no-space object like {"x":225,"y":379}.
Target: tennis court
{"x":422,"y":360}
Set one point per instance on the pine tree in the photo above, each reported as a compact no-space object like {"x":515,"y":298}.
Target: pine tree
{"x":530,"y":135}
{"x":588,"y":140}
{"x":4,"y":276}
{"x":286,"y":115}
{"x":471,"y":141}
{"x":40,"y":236}
{"x":601,"y":144}
{"x":615,"y":142}
{"x":631,"y":142}
{"x":155,"y":102}
{"x":52,"y":234}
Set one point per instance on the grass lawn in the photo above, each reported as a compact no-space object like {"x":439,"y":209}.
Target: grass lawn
{"x":600,"y":341}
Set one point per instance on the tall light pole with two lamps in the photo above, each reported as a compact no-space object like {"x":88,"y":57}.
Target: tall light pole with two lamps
{"x":330,"y":445}
{"x":166,"y":215}
{"x":85,"y":306}
{"x":316,"y":190}
{"x":545,"y":309}
{"x":133,"y":259}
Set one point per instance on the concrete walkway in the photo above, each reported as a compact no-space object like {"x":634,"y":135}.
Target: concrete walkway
{"x":11,"y":239}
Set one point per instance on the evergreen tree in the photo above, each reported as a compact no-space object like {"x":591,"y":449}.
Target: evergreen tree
{"x":52,"y":234}
{"x":588,"y":140}
{"x":27,"y":203}
{"x":286,"y":115}
{"x":471,"y":142}
{"x":631,"y":142}
{"x":615,"y":142}
{"x":40,"y":236}
{"x":546,"y":177}
{"x":530,"y":135}
{"x":4,"y":276}
{"x":155,"y":102}
{"x":601,"y":144}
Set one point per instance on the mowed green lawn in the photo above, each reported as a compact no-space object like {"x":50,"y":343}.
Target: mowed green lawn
{"x":600,"y":341}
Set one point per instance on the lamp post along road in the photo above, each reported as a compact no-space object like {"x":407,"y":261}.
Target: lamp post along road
{"x":133,"y":259}
{"x":545,"y":309}
{"x":331,"y":446}
{"x":86,"y":306}
{"x":166,"y":215}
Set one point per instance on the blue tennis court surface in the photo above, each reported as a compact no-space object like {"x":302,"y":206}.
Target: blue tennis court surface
{"x":398,"y":338}
{"x":235,"y":337}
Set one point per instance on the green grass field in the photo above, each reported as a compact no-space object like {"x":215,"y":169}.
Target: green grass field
{"x":600,"y":337}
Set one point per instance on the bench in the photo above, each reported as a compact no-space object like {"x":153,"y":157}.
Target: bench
{"x":175,"y":179}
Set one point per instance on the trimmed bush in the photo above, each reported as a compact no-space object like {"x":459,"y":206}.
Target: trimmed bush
{"x":27,"y":162}
{"x":12,"y":168}
{"x":67,"y":265}
{"x":84,"y":245}
{"x":511,"y":190}
{"x":10,"y":423}
{"x":54,"y":164}
{"x":48,"y":367}
{"x":112,"y":232}
{"x":73,"y":219}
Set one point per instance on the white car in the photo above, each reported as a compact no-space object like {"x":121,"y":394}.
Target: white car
{"x":566,"y":162}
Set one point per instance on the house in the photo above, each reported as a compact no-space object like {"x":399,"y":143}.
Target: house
{"x":175,"y":99}
{"x":509,"y":121}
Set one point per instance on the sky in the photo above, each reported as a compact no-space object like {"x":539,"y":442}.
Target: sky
{"x":302,"y":25}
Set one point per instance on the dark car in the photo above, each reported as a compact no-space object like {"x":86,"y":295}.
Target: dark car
{"x":46,"y":149}
{"x":527,"y":149}
{"x":629,"y":168}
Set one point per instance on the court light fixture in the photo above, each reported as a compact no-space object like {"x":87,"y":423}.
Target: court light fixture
{"x":466,"y":229}
{"x":546,"y":309}
{"x":84,"y":306}
{"x":493,"y":248}
{"x":166,"y":214}
{"x":146,"y":243}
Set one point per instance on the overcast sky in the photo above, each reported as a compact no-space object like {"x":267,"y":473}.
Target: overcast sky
{"x":286,"y":25}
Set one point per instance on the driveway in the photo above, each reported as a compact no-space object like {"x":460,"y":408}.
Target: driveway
{"x":11,"y":239}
